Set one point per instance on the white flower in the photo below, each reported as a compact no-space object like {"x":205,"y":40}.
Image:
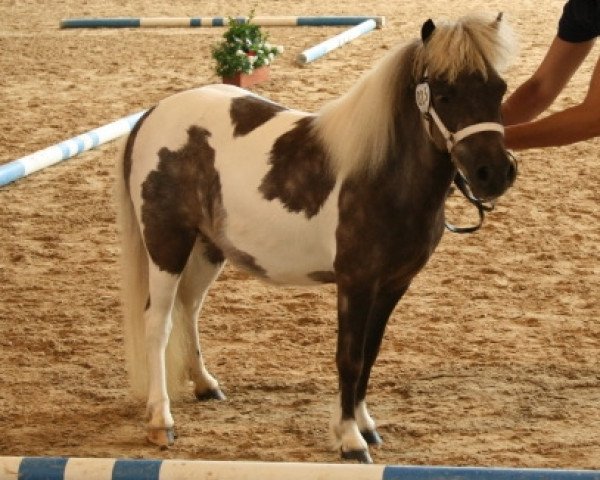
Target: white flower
{"x":267,"y":62}
{"x":268,"y":46}
{"x":271,"y":56}
{"x":240,"y":53}
{"x":279,"y":48}
{"x":252,"y":59}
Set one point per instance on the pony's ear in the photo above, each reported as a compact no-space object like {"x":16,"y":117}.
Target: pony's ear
{"x":496,"y":23}
{"x":427,"y":29}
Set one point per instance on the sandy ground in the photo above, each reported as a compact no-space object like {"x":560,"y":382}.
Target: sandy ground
{"x":491,"y":358}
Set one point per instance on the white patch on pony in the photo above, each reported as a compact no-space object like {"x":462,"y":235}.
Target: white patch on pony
{"x":346,"y":433}
{"x":364,"y":421}
{"x":158,"y":322}
{"x":287,"y":245}
{"x":351,"y":439}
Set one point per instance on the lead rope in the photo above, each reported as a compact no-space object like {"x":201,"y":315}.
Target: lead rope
{"x":482,"y":207}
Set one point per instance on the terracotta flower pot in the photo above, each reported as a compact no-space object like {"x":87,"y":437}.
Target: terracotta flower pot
{"x":245,"y":80}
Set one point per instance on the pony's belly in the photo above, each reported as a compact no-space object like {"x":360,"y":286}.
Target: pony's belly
{"x":281,"y":247}
{"x":266,"y":235}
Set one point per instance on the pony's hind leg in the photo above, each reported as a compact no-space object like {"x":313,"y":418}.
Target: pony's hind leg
{"x":203,"y":267}
{"x":158,"y":323}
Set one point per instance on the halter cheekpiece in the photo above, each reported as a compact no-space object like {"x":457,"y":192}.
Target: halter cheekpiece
{"x":423,"y":99}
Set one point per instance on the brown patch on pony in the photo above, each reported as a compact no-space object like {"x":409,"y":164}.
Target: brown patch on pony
{"x":389,"y":247}
{"x":322,"y":276}
{"x":300,"y":176}
{"x":247,"y":262}
{"x":250,"y":112}
{"x":180,"y":197}
{"x":129,"y":147}
{"x":211,"y":252}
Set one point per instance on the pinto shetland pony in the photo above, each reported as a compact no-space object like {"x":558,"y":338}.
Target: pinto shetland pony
{"x":353,"y":194}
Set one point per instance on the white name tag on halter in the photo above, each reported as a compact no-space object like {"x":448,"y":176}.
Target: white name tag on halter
{"x":423,"y":97}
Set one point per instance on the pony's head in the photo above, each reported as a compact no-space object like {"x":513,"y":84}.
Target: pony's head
{"x":459,"y":93}
{"x":458,"y":62}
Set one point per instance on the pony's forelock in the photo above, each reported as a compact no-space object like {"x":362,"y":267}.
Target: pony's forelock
{"x":473,"y":44}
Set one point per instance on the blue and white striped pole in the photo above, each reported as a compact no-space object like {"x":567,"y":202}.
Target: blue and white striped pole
{"x":273,"y":21}
{"x":332,"y":43}
{"x":22,"y":167}
{"x":51,"y":468}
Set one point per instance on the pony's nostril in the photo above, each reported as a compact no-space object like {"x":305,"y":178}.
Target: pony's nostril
{"x":483,"y":174}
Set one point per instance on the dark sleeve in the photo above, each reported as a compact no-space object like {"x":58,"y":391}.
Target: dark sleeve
{"x":580,"y":21}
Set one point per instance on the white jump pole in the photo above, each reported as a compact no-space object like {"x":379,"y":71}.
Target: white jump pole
{"x":58,"y":468}
{"x":273,"y":21}
{"x":22,"y":167}
{"x":332,"y":43}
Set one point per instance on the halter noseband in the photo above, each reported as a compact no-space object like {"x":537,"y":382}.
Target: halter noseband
{"x":423,"y":99}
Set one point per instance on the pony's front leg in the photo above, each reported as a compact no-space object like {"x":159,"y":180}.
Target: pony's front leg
{"x":381,"y":309}
{"x":353,"y":311}
{"x":157,"y":317}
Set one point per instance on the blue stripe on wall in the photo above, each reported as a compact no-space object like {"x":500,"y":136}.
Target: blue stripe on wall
{"x":124,"y":22}
{"x":95,"y":139}
{"x":65,"y":149}
{"x":195,"y":22}
{"x":330,"y":21}
{"x":9,"y":172}
{"x":79,"y":141}
{"x":42,"y":468}
{"x":136,"y":470}
{"x":457,"y":473}
{"x":218,"y":22}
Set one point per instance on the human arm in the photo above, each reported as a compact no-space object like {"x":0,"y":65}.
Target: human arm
{"x":539,"y":91}
{"x":571,"y":125}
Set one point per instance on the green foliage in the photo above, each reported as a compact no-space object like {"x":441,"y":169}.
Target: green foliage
{"x":243,"y":49}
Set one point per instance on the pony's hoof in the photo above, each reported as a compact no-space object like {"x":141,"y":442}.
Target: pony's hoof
{"x":163,"y":437}
{"x":372,"y":437}
{"x":213,"y":394}
{"x":361,"y":456}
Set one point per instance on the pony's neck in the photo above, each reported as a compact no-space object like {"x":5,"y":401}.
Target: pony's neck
{"x":360,"y":128}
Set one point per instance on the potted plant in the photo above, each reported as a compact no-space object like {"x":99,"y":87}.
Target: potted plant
{"x":244,"y":56}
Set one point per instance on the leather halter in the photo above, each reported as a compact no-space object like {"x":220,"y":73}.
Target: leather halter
{"x":423,"y":100}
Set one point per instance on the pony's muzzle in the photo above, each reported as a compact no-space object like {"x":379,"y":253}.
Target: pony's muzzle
{"x":492,"y":180}
{"x":485,"y":174}
{"x":489,"y":174}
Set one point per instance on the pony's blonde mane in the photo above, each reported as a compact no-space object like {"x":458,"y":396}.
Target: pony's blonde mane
{"x":472,"y":44}
{"x":359,"y":128}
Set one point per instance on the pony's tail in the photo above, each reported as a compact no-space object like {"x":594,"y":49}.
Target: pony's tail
{"x":134,"y":297}
{"x":134,"y":284}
